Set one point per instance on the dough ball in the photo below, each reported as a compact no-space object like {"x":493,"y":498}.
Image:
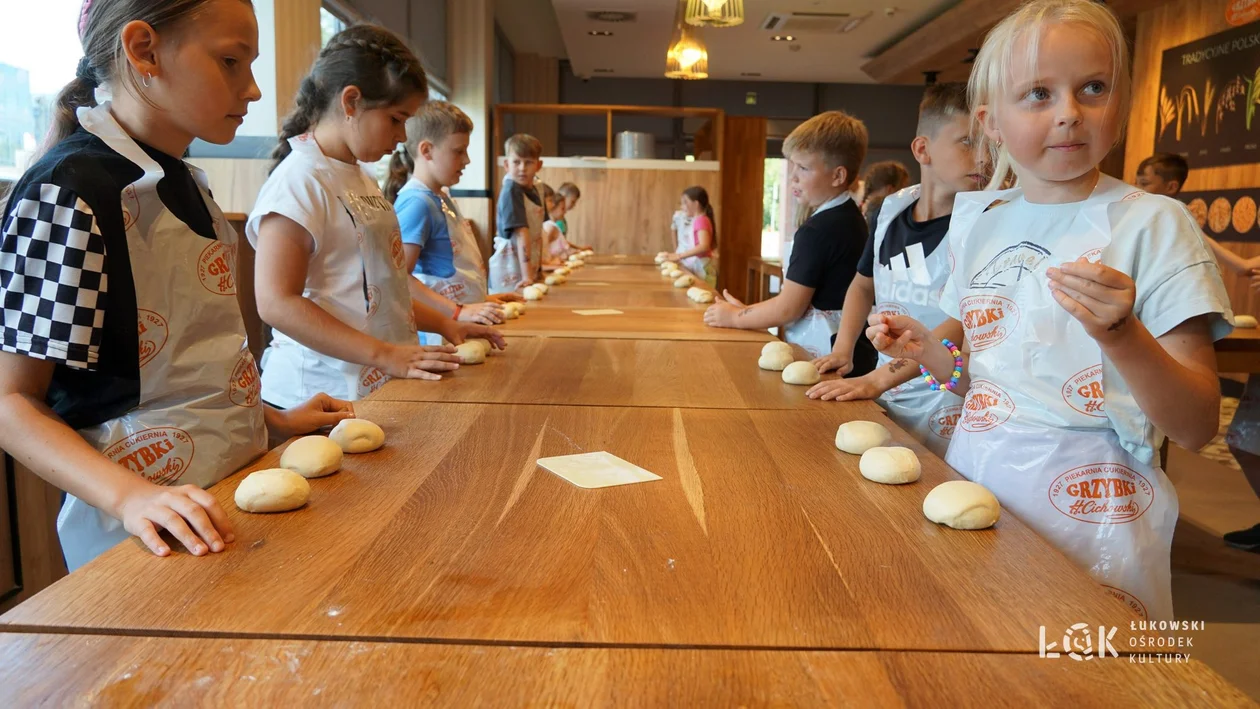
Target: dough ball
{"x":312,"y":457}
{"x":776,"y":345}
{"x":704,"y":296}
{"x":660,"y":258}
{"x":1244,"y":321}
{"x":802,"y":373}
{"x":511,"y":311}
{"x":532,"y":293}
{"x":775,"y":361}
{"x":588,"y":253}
{"x":554,"y":279}
{"x":669,"y":266}
{"x":961,"y":504}
{"x":470,"y":353}
{"x":358,"y":436}
{"x":483,"y":343}
{"x":544,"y":287}
{"x":692,"y":291}
{"x":274,"y":490}
{"x":857,"y":437}
{"x":684,"y":281}
{"x":676,"y":273}
{"x":890,"y":466}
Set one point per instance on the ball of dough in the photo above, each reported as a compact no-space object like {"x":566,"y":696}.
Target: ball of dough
{"x":704,"y":296}
{"x":669,"y":266}
{"x":544,"y":287}
{"x":563,"y":271}
{"x":312,"y":457}
{"x":532,"y":293}
{"x":857,"y":437}
{"x":776,"y":345}
{"x":775,"y":360}
{"x":684,"y":281}
{"x":962,"y":504}
{"x":676,"y":273}
{"x":358,"y":436}
{"x":890,"y":466}
{"x":802,"y":373}
{"x":660,"y":258}
{"x":274,"y":490}
{"x":482,"y":343}
{"x":470,"y":353}
{"x":1244,"y":321}
{"x":554,"y":280}
{"x":511,"y":311}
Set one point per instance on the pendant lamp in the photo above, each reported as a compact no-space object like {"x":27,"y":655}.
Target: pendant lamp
{"x":714,"y":13}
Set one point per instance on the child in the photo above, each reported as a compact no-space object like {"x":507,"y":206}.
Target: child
{"x":331,"y":279}
{"x":680,"y":224}
{"x":554,"y":246}
{"x":826,"y":153}
{"x":571,"y":195}
{"x":882,"y":179}
{"x":904,"y":268}
{"x":1089,"y":309}
{"x":439,"y":248}
{"x":125,"y":378}
{"x":697,"y":243}
{"x":520,"y":217}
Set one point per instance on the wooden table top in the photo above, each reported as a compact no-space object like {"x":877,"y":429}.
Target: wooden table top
{"x":604,"y":372}
{"x":760,"y":535}
{"x":63,"y":670}
{"x":575,"y":294}
{"x":1240,"y":339}
{"x":633,"y":324}
{"x":625,"y":276}
{"x":622,"y":260}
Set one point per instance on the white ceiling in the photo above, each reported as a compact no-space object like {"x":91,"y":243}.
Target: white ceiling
{"x":638,"y":49}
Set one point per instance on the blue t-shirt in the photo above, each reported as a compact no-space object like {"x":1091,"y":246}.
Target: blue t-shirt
{"x":423,"y":224}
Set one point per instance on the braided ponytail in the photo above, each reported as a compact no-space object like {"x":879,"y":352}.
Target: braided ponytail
{"x":400,"y":166}
{"x":371,"y":58}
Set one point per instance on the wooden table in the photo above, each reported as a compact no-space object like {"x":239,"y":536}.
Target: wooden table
{"x":760,"y":535}
{"x":624,"y":276}
{"x":61,"y":670}
{"x":1240,"y":352}
{"x":621,"y":260}
{"x":759,"y":272}
{"x":603,"y":372}
{"x":632,"y":324}
{"x":576,"y":294}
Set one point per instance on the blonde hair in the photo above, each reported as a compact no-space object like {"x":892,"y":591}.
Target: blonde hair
{"x":835,"y":135}
{"x":435,"y":122}
{"x":569,"y":190}
{"x":990,"y":75}
{"x":523,"y":145}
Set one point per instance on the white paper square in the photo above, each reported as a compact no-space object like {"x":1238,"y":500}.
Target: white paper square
{"x":607,"y":311}
{"x":596,"y":470}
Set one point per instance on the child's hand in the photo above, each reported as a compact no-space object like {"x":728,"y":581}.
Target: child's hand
{"x":525,"y":282}
{"x":189,"y":513}
{"x":826,"y":363}
{"x":726,"y":295}
{"x":1255,"y":279}
{"x":844,"y":390}
{"x":416,"y":362}
{"x":502,"y":298}
{"x":722,"y":314}
{"x":319,"y":412}
{"x":898,"y":335}
{"x":487,"y":313}
{"x":1099,"y":297}
{"x":462,"y":331}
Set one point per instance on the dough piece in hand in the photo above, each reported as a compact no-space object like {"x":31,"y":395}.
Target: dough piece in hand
{"x":962,"y":504}
{"x":704,"y":296}
{"x":312,"y":457}
{"x":890,"y":466}
{"x":274,"y":490}
{"x":776,"y":345}
{"x":532,"y":293}
{"x":358,"y":436}
{"x":857,"y":437}
{"x":470,"y":353}
{"x":775,"y":360}
{"x":684,"y":281}
{"x":483,"y":343}
{"x":1244,"y":321}
{"x":803,"y":373}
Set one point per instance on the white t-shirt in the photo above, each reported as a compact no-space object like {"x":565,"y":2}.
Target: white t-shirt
{"x":303,"y":188}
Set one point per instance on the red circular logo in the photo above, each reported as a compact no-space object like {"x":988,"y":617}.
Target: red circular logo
{"x":986,"y":407}
{"x":1093,"y":255}
{"x":1132,"y":196}
{"x":944,"y":420}
{"x":371,"y":379}
{"x":1083,"y":391}
{"x":374,"y":300}
{"x":216,"y":268}
{"x":130,"y":206}
{"x":891,"y":309}
{"x":1128,"y":599}
{"x":245,"y":387}
{"x":396,"y":249}
{"x":988,"y":320}
{"x":153,"y":333}
{"x":1102,"y":493}
{"x":159,"y":454}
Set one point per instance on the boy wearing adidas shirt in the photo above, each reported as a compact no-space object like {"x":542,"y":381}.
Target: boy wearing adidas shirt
{"x":905,"y":266}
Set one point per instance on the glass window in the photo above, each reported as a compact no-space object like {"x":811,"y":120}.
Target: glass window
{"x":774,"y":221}
{"x":34,"y":66}
{"x":329,"y":25}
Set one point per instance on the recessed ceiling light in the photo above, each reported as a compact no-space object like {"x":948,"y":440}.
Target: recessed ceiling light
{"x":603,"y":71}
{"x":783,"y":38}
{"x":750,"y":73}
{"x":600,"y":33}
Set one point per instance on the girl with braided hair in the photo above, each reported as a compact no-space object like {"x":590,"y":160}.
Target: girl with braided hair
{"x":331,"y":274}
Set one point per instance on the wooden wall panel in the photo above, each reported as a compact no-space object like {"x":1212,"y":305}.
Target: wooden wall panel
{"x":234,"y":182}
{"x":1158,"y":29}
{"x":629,"y":211}
{"x":37,"y":504}
{"x":470,"y":50}
{"x":297,"y":45}
{"x":740,"y":220}
{"x":537,"y":80}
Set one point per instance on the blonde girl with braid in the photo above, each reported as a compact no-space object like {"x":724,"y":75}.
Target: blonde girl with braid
{"x":331,"y":274}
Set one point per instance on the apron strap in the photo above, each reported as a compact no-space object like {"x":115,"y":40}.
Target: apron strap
{"x":100,"y":122}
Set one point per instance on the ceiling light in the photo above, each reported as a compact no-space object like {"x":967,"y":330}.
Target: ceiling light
{"x":783,"y":38}
{"x":750,"y":73}
{"x":600,"y":33}
{"x":714,"y":13}
{"x":687,"y":57}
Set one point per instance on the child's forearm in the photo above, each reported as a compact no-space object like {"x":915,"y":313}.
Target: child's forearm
{"x":431,"y":298}
{"x":768,"y":313}
{"x":1229,"y":259}
{"x":939,"y":361}
{"x":314,"y":327}
{"x":430,"y":320}
{"x":858,"y":301}
{"x":521,"y":238}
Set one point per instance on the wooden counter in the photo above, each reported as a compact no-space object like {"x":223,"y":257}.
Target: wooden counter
{"x":577,"y":294}
{"x":1240,"y":352}
{"x":632,"y":324}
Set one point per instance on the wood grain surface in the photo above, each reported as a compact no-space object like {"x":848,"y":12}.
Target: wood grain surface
{"x":577,"y":294}
{"x":69,"y":670}
{"x":632,"y":324}
{"x":605,"y":372}
{"x":760,"y":535}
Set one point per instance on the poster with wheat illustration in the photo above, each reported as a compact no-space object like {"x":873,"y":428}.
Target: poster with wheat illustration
{"x":1209,"y":90}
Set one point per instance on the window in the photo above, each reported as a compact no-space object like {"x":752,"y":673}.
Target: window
{"x":775,"y":221}
{"x":34,"y":66}
{"x":329,"y":25}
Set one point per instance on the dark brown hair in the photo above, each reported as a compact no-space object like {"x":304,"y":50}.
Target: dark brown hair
{"x":942,"y":103}
{"x":889,"y":173}
{"x":1168,"y":166}
{"x":435,"y":122}
{"x":371,"y":58}
{"x":701,"y":195}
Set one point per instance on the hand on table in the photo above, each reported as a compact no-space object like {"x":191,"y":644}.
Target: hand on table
{"x":843,"y":365}
{"x":461,"y":331}
{"x":189,"y":513}
{"x":416,"y":362}
{"x":723,"y":313}
{"x":488,"y":313}
{"x":844,"y":390}
{"x":320,"y":411}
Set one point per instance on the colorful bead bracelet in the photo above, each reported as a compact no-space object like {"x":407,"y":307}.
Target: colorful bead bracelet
{"x":958,"y":364}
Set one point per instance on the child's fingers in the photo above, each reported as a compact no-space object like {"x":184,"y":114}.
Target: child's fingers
{"x":1096,"y":272}
{"x":417,"y":373}
{"x":1079,"y":283}
{"x":217,"y":516}
{"x":448,"y":363}
{"x":149,"y":536}
{"x":1087,"y":301}
{"x":1074,"y":308}
{"x":196,"y":518}
{"x":497,"y":341}
{"x":171,"y":521}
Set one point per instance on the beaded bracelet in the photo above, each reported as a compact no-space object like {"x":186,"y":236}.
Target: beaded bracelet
{"x":958,"y":364}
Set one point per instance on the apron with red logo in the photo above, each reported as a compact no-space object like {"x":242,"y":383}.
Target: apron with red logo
{"x":911,"y":284}
{"x":814,"y":330}
{"x":199,"y":417}
{"x":505,"y":266}
{"x":468,"y":284}
{"x":1035,"y":428}
{"x":293,"y":372}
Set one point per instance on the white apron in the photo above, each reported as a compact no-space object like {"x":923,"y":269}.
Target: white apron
{"x":505,"y":266}
{"x":292,"y":372}
{"x":702,"y":266}
{"x":199,"y":418}
{"x":911,"y":285}
{"x":815,"y":328}
{"x":1035,"y":428}
{"x":681,"y":223}
{"x":468,"y":284}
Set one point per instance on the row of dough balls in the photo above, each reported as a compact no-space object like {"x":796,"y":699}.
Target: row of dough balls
{"x":286,"y":488}
{"x":778,"y":356}
{"x":959,"y":504}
